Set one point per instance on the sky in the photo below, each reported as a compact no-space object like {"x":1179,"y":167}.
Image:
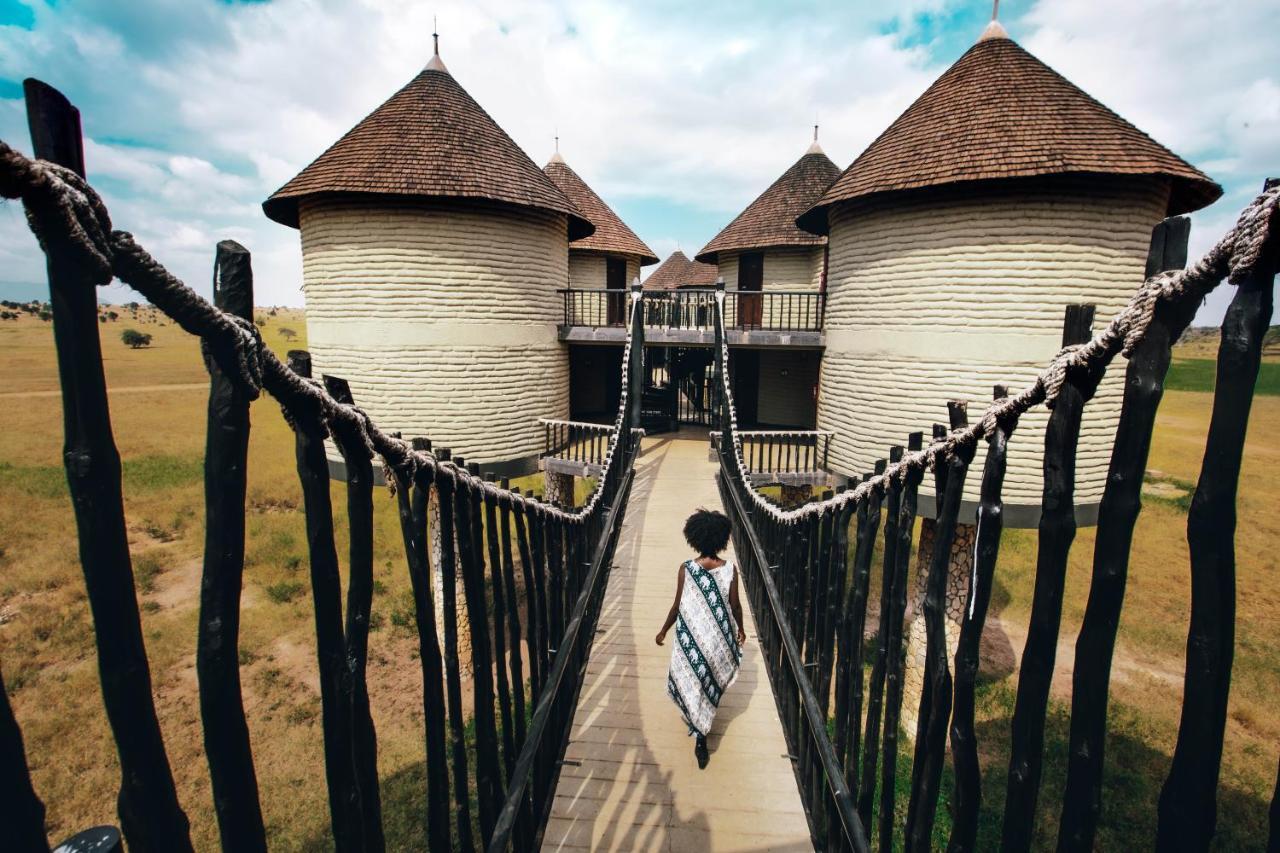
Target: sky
{"x":678,"y":114}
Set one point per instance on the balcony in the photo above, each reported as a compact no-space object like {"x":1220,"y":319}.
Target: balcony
{"x":771,"y":318}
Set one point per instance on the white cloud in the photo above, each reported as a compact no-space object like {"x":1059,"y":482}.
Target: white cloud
{"x":197,"y":112}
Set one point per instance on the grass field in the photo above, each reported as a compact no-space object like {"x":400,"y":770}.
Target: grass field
{"x":158,"y":402}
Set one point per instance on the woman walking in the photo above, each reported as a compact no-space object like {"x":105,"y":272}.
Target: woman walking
{"x":707,"y":615}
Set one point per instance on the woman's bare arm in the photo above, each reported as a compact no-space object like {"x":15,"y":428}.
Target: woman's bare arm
{"x":735,"y":604}
{"x":675,"y":608}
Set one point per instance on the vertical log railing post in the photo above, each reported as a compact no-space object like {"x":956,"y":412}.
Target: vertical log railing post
{"x":23,"y":811}
{"x":364,"y":743}
{"x":1117,"y":515}
{"x":1057,"y":531}
{"x":1188,"y":802}
{"x":150,"y":815}
{"x":931,"y":741}
{"x":413,"y":529}
{"x":226,"y":733}
{"x":986,"y":546}
{"x":326,"y":592}
{"x":893,"y":670}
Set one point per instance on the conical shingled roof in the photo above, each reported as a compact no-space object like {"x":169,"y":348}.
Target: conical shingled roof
{"x":430,"y":139}
{"x":1001,"y":113}
{"x":678,"y":271}
{"x":612,"y":234}
{"x":770,"y":220}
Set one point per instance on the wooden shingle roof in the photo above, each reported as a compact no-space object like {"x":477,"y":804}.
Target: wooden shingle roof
{"x":612,"y":234}
{"x":429,"y":140}
{"x":770,"y":220}
{"x":999,"y":113}
{"x":678,"y":271}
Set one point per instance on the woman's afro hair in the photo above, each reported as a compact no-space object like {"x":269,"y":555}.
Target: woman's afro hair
{"x":707,"y":532}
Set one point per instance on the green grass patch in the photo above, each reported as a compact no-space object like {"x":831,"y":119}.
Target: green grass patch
{"x":1198,"y":374}
{"x":284,"y":591}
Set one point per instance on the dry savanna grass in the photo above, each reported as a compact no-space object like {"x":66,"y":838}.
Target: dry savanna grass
{"x":158,"y":398}
{"x":158,"y":409}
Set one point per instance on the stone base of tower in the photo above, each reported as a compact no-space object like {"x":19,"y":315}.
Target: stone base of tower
{"x":558,"y":488}
{"x":959,"y":572}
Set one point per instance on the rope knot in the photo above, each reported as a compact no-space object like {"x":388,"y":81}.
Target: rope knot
{"x":65,"y":213}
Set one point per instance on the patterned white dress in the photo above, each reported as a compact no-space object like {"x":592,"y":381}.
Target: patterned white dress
{"x":705,"y":655}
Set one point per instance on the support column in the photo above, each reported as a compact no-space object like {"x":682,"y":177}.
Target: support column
{"x":558,"y":488}
{"x":437,"y":589}
{"x":959,"y":571}
{"x":796,"y":495}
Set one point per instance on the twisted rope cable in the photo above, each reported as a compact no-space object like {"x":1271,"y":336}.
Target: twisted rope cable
{"x":71,"y":222}
{"x":1233,"y":257}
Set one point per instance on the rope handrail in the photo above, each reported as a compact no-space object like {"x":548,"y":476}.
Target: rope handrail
{"x":1233,"y":257}
{"x":69,"y":218}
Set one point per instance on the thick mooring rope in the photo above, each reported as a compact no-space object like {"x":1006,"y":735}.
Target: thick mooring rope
{"x":1234,"y":258}
{"x":71,"y":222}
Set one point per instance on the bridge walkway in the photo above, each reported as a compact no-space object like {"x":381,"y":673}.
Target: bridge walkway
{"x":630,"y":780}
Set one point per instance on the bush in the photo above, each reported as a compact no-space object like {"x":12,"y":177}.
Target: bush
{"x":135,"y":339}
{"x":287,"y":333}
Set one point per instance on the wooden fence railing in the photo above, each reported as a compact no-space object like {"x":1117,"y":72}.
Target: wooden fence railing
{"x":575,"y":441}
{"x":692,"y":309}
{"x":807,"y":572}
{"x":487,"y":533}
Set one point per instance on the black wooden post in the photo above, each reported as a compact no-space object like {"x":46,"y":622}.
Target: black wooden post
{"x":355,"y":689}
{"x":1117,"y":515}
{"x":931,"y":741}
{"x":148,"y":806}
{"x":893,"y":503}
{"x":1188,"y":803}
{"x":413,"y":528}
{"x":22,"y":810}
{"x":868,"y":527}
{"x":488,"y":776}
{"x":326,"y":592}
{"x":513,"y":619}
{"x":893,"y":670}
{"x":964,"y":745}
{"x":1057,"y":531}
{"x":500,"y":608}
{"x":226,"y":734}
{"x":446,"y":485}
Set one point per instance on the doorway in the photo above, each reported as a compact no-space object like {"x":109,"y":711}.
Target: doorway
{"x":615,"y":279}
{"x":750,"y":280}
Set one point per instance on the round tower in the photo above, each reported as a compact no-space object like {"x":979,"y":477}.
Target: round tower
{"x":613,"y":255}
{"x":763,"y":250}
{"x":432,"y":252}
{"x":958,"y":238}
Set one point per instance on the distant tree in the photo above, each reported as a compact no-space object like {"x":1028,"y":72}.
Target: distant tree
{"x":46,"y":315}
{"x":135,"y":339}
{"x":272,"y":312}
{"x":261,"y":321}
{"x":114,"y":315}
{"x":287,"y":333}
{"x":102,"y":318}
{"x":132,"y":306}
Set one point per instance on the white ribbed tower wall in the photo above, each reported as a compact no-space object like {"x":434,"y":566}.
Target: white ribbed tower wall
{"x":940,"y":296}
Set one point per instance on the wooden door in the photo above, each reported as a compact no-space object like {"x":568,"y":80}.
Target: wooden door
{"x":615,"y":278}
{"x":750,"y":280}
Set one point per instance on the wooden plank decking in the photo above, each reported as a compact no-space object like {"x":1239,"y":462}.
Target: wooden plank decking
{"x":630,"y":781}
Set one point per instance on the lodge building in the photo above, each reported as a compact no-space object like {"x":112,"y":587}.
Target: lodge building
{"x":447,"y":275}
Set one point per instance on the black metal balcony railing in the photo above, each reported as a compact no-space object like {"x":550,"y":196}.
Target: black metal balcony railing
{"x":691,"y":308}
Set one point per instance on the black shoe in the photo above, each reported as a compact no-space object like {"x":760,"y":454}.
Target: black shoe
{"x":700,"y":750}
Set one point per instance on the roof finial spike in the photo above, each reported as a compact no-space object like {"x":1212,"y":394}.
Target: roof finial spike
{"x":994,"y":29}
{"x":436,"y":63}
{"x":814,"y":147}
{"x":556,"y":158}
